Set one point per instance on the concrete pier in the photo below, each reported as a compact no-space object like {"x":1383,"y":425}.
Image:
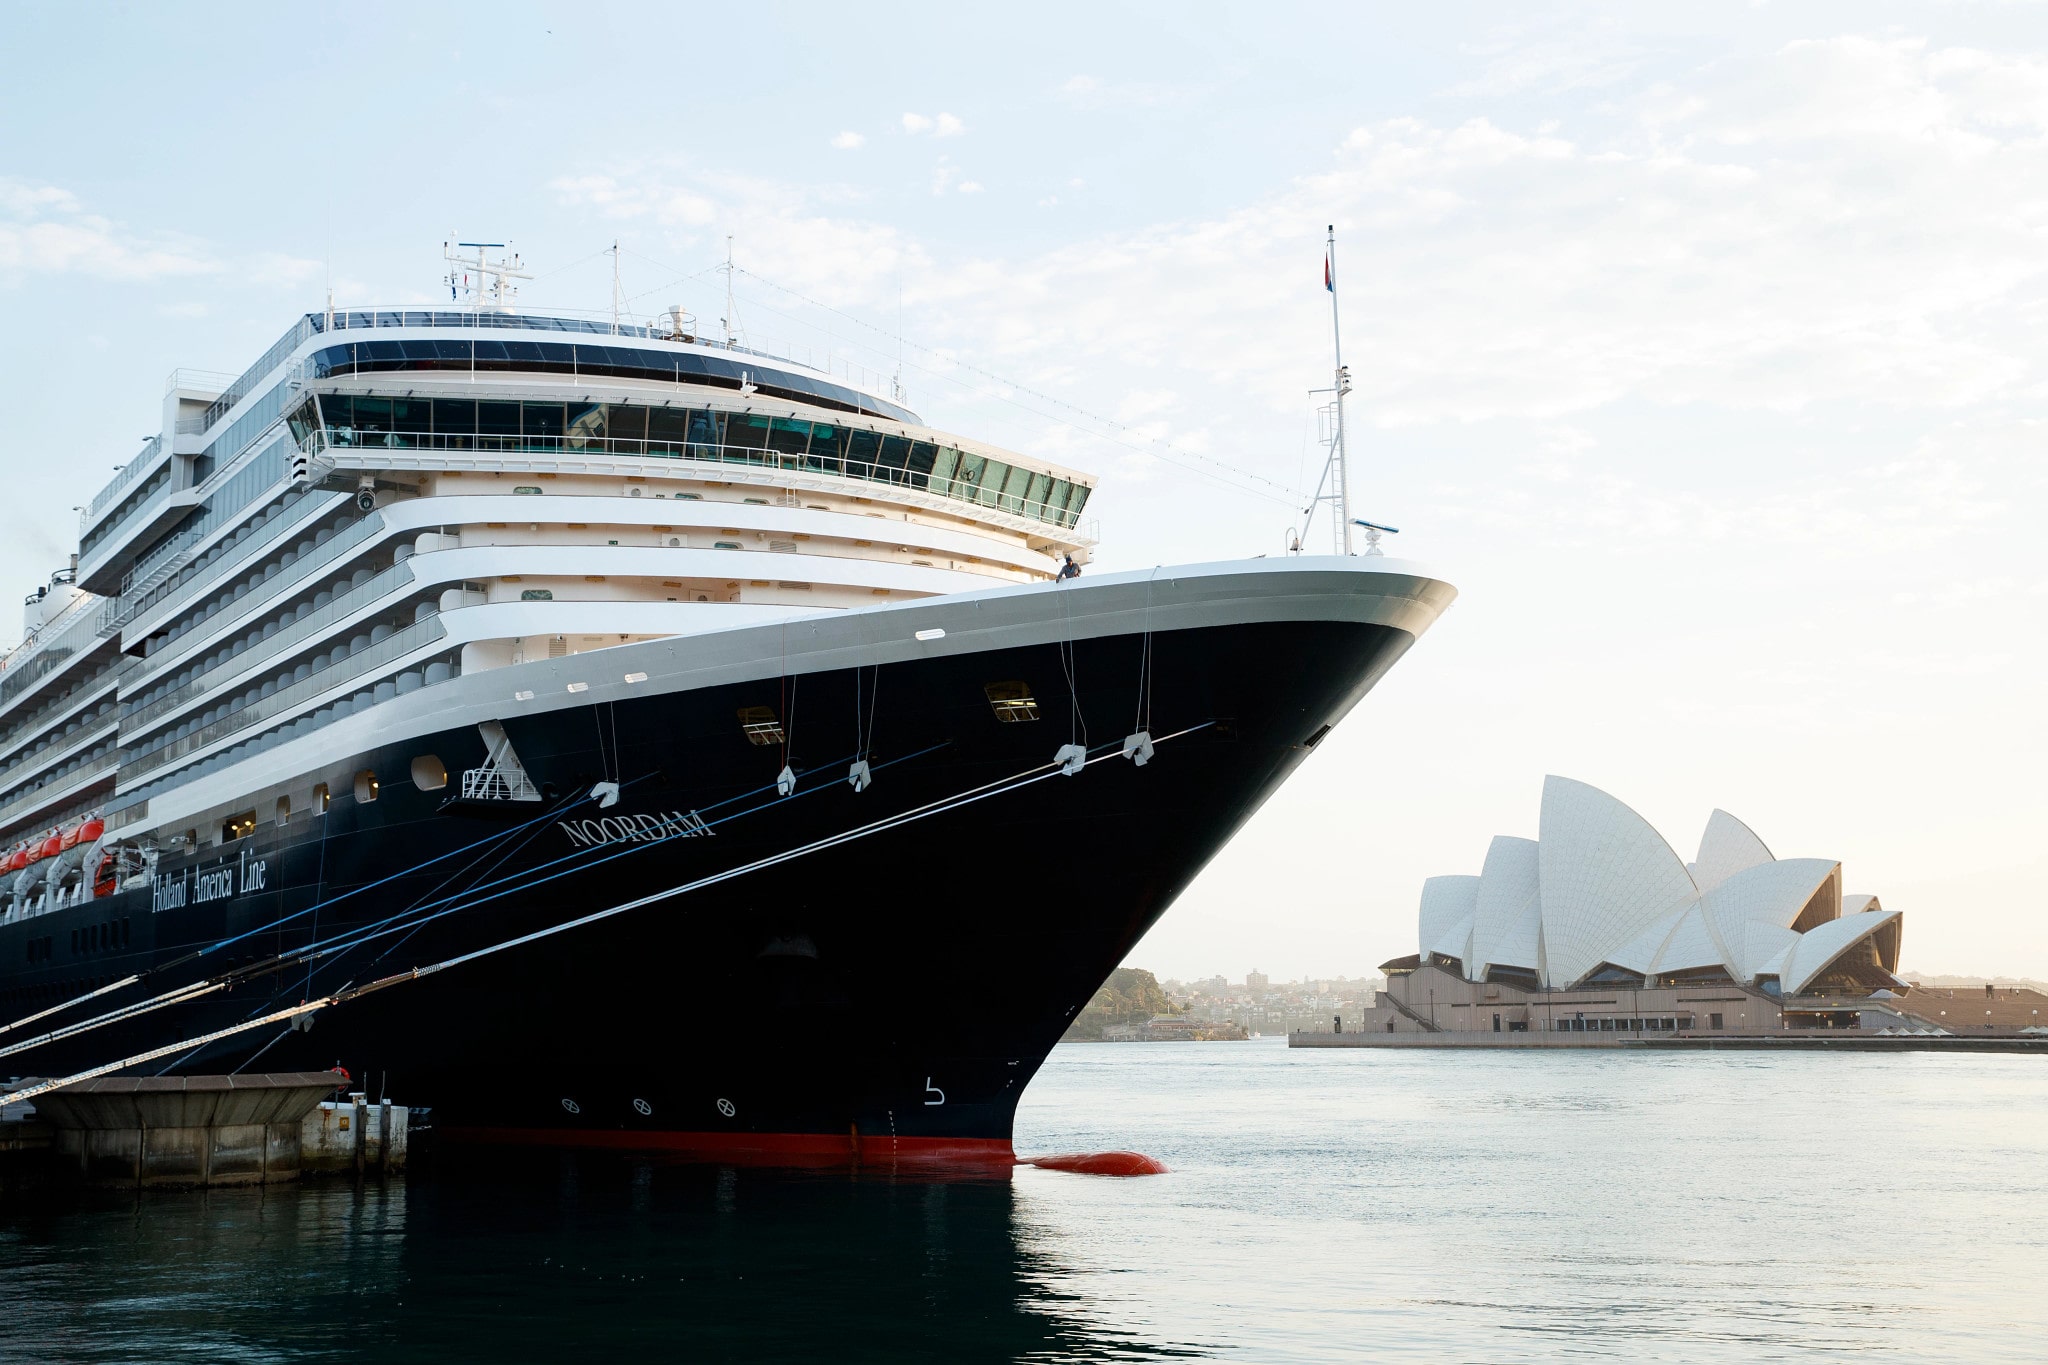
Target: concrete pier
{"x":204,"y":1130}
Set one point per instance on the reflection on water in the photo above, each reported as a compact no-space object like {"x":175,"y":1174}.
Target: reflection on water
{"x":1323,"y":1205}
{"x":575,"y":1257}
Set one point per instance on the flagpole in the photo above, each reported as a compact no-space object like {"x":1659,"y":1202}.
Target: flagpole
{"x":1343,"y":386}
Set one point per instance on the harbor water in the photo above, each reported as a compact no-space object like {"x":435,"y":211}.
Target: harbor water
{"x":1322,"y":1205}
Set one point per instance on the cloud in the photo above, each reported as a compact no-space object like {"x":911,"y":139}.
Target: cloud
{"x":943,"y":125}
{"x":848,"y":141}
{"x":970,"y":187}
{"x":45,"y":230}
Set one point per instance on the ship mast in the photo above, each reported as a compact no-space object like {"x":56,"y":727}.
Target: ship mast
{"x":1334,"y":487}
{"x":1340,"y":470}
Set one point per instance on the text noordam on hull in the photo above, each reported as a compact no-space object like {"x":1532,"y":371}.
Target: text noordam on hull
{"x":662,"y":725}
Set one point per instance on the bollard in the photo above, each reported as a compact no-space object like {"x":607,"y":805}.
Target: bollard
{"x":383,"y":1139}
{"x":362,"y":1114}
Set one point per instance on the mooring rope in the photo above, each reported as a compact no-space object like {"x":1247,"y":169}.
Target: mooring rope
{"x":1027,"y":777}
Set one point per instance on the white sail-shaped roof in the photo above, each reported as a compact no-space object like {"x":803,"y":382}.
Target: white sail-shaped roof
{"x":1507,"y":914}
{"x":1751,"y":913}
{"x":1727,"y":847}
{"x":1605,"y":877}
{"x":1640,"y":953}
{"x":1445,"y":920}
{"x":1819,"y":947}
{"x":1857,"y":904}
{"x":1691,"y":947}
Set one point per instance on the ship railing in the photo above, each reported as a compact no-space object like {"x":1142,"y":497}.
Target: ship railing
{"x":560,"y":453}
{"x":65,"y":747}
{"x":299,"y":632}
{"x":492,"y":783}
{"x":56,"y":644}
{"x":60,"y":789}
{"x":367,"y":660}
{"x":128,"y":474}
{"x":204,"y":574}
{"x":285,"y":580}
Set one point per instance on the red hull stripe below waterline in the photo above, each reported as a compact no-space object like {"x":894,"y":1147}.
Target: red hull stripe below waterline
{"x":778,"y":1148}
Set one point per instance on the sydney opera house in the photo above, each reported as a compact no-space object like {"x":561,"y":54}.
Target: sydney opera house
{"x":1596,"y":925}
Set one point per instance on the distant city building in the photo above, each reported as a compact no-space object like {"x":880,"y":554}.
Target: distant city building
{"x":1255,"y":982}
{"x":1597,"y":925}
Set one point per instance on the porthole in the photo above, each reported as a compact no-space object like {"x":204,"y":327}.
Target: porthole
{"x":366,"y":787}
{"x":429,"y":774}
{"x":537,"y":595}
{"x":320,"y":799}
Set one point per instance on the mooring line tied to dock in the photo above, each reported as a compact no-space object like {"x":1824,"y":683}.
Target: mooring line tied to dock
{"x":1001,"y":787}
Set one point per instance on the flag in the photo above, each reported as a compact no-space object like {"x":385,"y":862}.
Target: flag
{"x":1329,"y":282}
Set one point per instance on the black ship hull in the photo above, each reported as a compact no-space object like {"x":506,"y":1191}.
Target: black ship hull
{"x":885,"y":998}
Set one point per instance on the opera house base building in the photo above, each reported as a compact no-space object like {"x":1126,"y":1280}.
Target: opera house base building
{"x":1596,"y":934}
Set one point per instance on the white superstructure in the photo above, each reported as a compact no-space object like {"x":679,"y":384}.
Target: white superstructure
{"x":390,"y":499}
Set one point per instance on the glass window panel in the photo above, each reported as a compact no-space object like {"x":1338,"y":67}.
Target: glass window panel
{"x":942,"y":469}
{"x":895,"y":451}
{"x":826,"y":444}
{"x":542,"y":420}
{"x":745,"y":434}
{"x":454,"y":417}
{"x":381,"y":355}
{"x":787,"y":437}
{"x":668,"y":429}
{"x":373,"y":420}
{"x":627,"y":427}
{"x":1075,"y":503}
{"x":412,"y":417}
{"x":586,"y":425}
{"x":1035,"y":495}
{"x":704,"y":434}
{"x":497,"y":419}
{"x":336,"y":410}
{"x":863,"y":448}
{"x":523,"y":354}
{"x":973,"y":468}
{"x":922,"y":454}
{"x":993,"y":473}
{"x":490,"y":355}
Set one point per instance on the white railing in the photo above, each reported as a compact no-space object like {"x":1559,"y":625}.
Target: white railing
{"x":151,"y":448}
{"x":495,"y":784}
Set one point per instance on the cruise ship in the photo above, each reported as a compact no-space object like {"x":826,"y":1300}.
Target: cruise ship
{"x":609,"y":735}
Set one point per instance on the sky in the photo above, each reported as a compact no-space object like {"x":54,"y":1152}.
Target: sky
{"x":1699,"y":346}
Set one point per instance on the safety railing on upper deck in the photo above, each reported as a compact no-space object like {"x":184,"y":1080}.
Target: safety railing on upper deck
{"x":129,"y":472}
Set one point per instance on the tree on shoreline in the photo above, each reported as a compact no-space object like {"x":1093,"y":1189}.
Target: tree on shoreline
{"x":1130,"y":996}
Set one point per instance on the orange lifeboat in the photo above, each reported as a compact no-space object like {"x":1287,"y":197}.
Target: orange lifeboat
{"x":91,"y":830}
{"x":16,"y":860}
{"x":49,"y":846}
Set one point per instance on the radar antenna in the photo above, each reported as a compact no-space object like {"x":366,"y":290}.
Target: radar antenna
{"x":482,"y":279}
{"x":1373,"y":532}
